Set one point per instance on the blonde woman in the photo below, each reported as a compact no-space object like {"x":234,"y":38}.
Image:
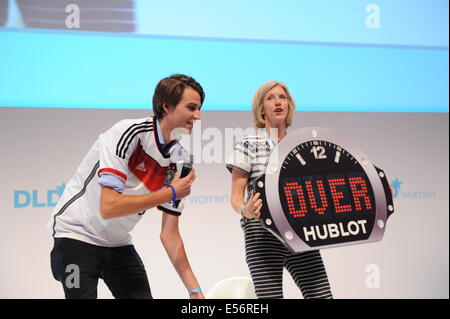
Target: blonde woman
{"x":273,"y":109}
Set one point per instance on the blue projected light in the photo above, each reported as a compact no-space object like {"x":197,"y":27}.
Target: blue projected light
{"x":370,"y":61}
{"x":385,"y":22}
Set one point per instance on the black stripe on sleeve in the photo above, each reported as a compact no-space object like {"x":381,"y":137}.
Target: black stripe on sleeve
{"x":129,"y":132}
{"x":147,"y":129}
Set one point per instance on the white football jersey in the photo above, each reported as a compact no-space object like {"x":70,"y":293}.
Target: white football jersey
{"x":132,"y":151}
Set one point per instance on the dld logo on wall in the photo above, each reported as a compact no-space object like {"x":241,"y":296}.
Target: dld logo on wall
{"x":50,"y":197}
{"x":35,"y":198}
{"x":400,"y":192}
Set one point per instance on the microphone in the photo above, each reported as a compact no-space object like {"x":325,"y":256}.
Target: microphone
{"x":187,"y":167}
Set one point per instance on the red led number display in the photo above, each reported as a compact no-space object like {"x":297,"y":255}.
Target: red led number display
{"x":289,"y":188}
{"x":347,"y":195}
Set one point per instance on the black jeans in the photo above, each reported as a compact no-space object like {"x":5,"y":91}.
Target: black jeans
{"x":79,"y":265}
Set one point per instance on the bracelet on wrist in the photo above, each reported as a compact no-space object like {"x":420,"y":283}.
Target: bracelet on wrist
{"x":174,"y":193}
{"x":194,"y":291}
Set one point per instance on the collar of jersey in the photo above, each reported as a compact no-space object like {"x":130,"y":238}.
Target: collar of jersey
{"x":164,"y":149}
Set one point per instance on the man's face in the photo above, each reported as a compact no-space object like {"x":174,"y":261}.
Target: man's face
{"x":185,"y":112}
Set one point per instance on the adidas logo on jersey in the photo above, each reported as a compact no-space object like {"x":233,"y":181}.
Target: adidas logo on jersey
{"x":142,"y":167}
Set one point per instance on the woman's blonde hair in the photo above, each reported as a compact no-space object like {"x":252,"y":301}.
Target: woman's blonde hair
{"x":258,"y":103}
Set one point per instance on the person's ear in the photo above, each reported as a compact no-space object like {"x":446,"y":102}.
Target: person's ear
{"x":166,"y":108}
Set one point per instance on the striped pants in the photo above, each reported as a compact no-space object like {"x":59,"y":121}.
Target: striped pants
{"x":266,"y":256}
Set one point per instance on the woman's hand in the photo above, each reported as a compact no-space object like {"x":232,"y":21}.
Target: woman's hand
{"x":252,"y":210}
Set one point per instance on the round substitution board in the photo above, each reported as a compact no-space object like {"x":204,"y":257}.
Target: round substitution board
{"x":321,"y":191}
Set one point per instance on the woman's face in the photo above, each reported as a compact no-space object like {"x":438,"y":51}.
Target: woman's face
{"x":275,"y":106}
